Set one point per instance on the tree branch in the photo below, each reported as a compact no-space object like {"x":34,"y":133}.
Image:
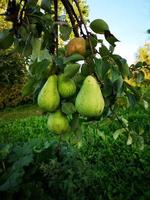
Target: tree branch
{"x":69,"y":11}
{"x":76,"y":17}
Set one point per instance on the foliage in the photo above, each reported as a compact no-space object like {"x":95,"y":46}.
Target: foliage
{"x":53,"y":170}
{"x":36,"y":32}
{"x":143,"y":62}
{"x":3,"y":23}
{"x":11,"y":95}
{"x":144,"y":54}
{"x":13,"y":74}
{"x":12,"y":67}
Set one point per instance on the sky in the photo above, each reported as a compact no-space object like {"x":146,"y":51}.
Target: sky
{"x":128,"y":20}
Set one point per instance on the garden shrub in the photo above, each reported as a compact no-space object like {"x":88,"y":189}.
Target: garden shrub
{"x":12,"y":78}
{"x":11,"y":95}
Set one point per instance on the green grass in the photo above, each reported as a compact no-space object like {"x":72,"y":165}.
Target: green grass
{"x":19,"y":112}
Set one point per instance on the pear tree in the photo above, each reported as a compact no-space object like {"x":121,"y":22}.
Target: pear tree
{"x":83,"y":80}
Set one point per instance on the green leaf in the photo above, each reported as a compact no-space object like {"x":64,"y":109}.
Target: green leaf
{"x":4,"y":150}
{"x":68,"y":108}
{"x":40,"y":69}
{"x":101,"y":68}
{"x":125,"y":69}
{"x":36,"y":46}
{"x":114,"y":74}
{"x":75,"y":123}
{"x":117,"y":85}
{"x":140,"y":77}
{"x":28,"y":87}
{"x":32,"y":2}
{"x":23,"y":32}
{"x":71,"y":69}
{"x":111,"y":39}
{"x":76,"y":132}
{"x":124,"y":121}
{"x":46,"y":5}
{"x":131,"y":98}
{"x":22,"y":162}
{"x":118,"y":132}
{"x":144,"y":103}
{"x":129,"y":140}
{"x":138,"y":65}
{"x":6,"y":39}
{"x":73,"y":58}
{"x":13,"y":181}
{"x":65,"y":31}
{"x":122,"y":64}
{"x":101,"y":134}
{"x":140,"y":142}
{"x":104,"y":51}
{"x":23,"y":47}
{"x":44,"y":55}
{"x":107,"y":88}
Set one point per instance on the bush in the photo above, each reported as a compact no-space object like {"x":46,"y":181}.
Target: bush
{"x":12,"y":67}
{"x":12,"y":78}
{"x":11,"y":95}
{"x":50,"y":170}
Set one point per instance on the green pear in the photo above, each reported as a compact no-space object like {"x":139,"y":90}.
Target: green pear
{"x":89,"y":101}
{"x":66,"y":86}
{"x":58,"y":122}
{"x":99,"y":26}
{"x":48,"y":98}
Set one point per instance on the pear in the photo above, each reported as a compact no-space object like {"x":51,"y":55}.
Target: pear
{"x":89,"y":101}
{"x":48,"y":98}
{"x":58,"y":122}
{"x":99,"y":26}
{"x":76,"y":45}
{"x":66,"y":86}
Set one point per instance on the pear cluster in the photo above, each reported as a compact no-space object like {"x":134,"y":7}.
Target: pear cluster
{"x":71,"y":85}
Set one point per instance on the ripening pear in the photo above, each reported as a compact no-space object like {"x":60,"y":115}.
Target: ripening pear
{"x":66,"y":86}
{"x":99,"y":26}
{"x":76,"y":45}
{"x":48,"y":98}
{"x":58,"y":122}
{"x":89,"y":101}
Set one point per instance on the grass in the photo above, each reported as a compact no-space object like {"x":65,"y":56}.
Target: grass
{"x":106,"y":169}
{"x":19,"y":112}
